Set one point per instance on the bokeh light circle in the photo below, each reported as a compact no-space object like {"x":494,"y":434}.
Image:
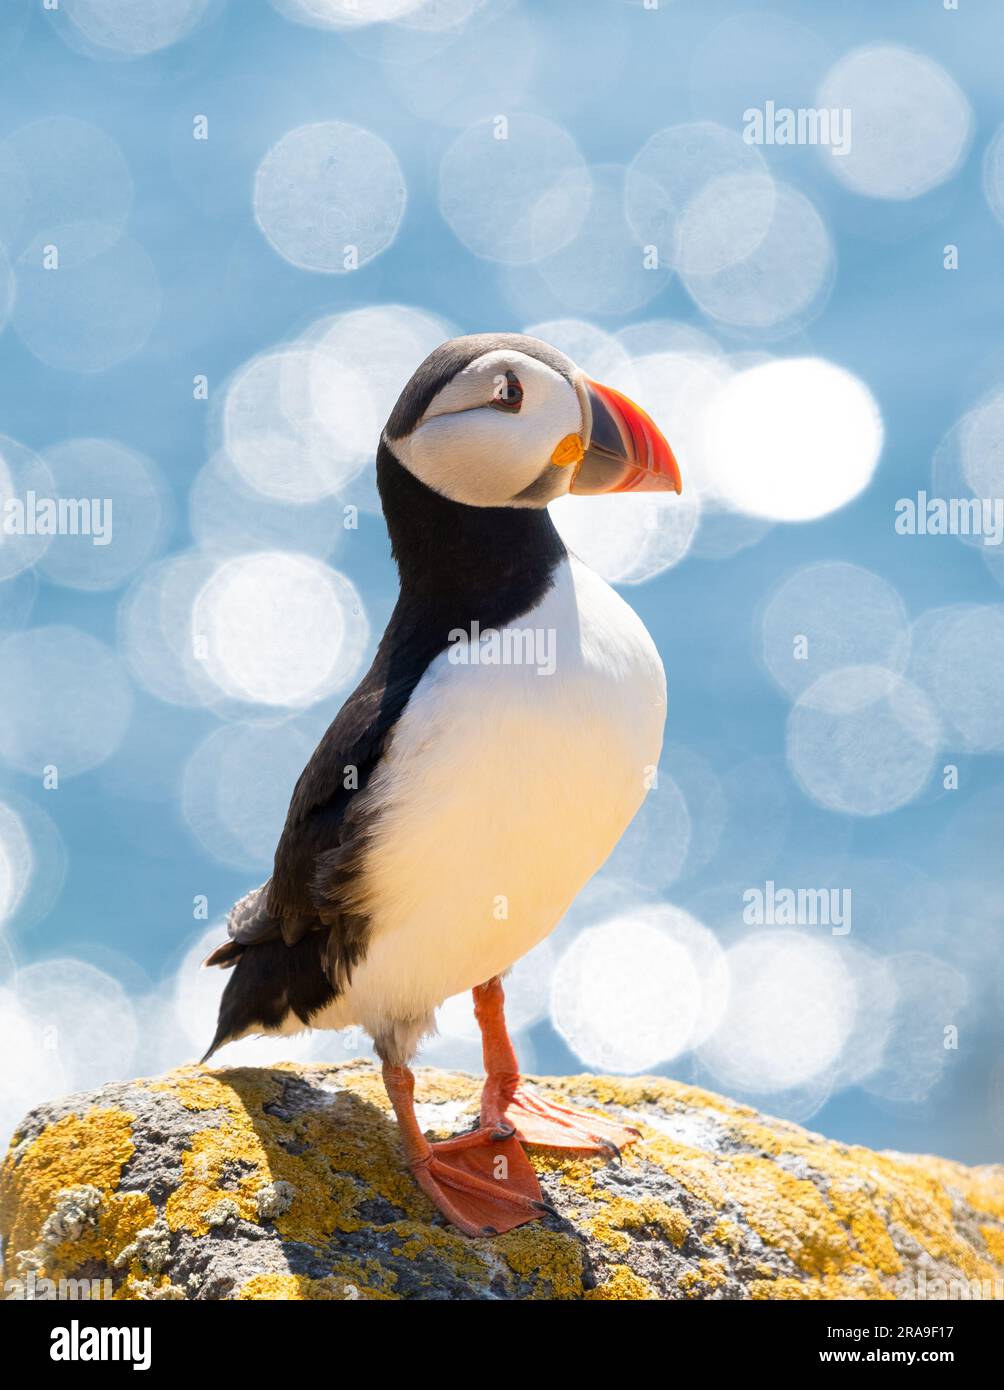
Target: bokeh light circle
{"x":66,"y":699}
{"x":863,"y":740}
{"x":38,"y":1075}
{"x":514,"y":191}
{"x":665,"y":196}
{"x":132,"y":29}
{"x":155,"y":633}
{"x":344,"y":14}
{"x":789,"y":1015}
{"x":23,"y":475}
{"x":59,"y":171}
{"x":82,"y":1017}
{"x":279,"y":628}
{"x":958,"y":660}
{"x":832,"y":615}
{"x":625,"y":996}
{"x":794,"y":439}
{"x":93,"y":309}
{"x":274,"y":436}
{"x":329,"y":196}
{"x":466,"y":73}
{"x":911,"y":124}
{"x":626,"y":540}
{"x":17,"y":860}
{"x":993,"y":175}
{"x":725,"y":223}
{"x":931,"y":996}
{"x":117,"y":500}
{"x":33,"y":863}
{"x":982,"y":445}
{"x":603,"y":268}
{"x":782,"y":282}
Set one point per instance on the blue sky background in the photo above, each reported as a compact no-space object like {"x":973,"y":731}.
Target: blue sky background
{"x":927,"y":343}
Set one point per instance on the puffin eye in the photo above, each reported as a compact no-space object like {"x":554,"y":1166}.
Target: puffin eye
{"x":508,"y":393}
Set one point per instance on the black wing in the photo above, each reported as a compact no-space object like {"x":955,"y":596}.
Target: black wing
{"x":296,"y":939}
{"x":319,"y":858}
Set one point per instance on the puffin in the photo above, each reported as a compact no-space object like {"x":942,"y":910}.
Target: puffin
{"x":467,"y":790}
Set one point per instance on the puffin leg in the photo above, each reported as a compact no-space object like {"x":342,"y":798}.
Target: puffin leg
{"x":507,"y":1102}
{"x":482,"y":1182}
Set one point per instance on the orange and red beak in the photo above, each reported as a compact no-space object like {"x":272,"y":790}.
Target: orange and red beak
{"x":626,"y":451}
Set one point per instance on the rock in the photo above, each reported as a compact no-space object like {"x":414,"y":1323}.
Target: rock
{"x":287,"y":1183}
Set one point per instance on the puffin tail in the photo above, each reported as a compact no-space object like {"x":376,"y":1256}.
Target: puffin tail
{"x":274,"y":987}
{"x":248,"y":924}
{"x":218,"y":1041}
{"x":225,"y":955}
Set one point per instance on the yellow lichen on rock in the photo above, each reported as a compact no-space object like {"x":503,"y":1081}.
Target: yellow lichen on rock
{"x":550,"y":1264}
{"x":298,"y":1288}
{"x":289,"y":1183}
{"x":725,"y":1233}
{"x":865,"y":1288}
{"x":789,"y":1213}
{"x":622,"y":1286}
{"x":78,"y":1153}
{"x":325,"y":1198}
{"x":994,"y":1237}
{"x":621,"y":1217}
{"x":700,"y":1282}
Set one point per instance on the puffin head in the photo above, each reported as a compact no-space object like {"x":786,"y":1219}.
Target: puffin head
{"x":503,"y":420}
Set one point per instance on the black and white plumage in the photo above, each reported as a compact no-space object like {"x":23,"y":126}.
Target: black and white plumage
{"x":443,"y":789}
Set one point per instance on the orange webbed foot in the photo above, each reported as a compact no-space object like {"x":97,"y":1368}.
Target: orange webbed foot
{"x":548,"y":1125}
{"x":482,"y":1182}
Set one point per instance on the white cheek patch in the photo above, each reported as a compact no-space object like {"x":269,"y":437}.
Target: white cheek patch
{"x":454,"y":455}
{"x":473,"y":452}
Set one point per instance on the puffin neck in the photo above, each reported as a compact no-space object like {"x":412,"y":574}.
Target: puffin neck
{"x":446,"y":549}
